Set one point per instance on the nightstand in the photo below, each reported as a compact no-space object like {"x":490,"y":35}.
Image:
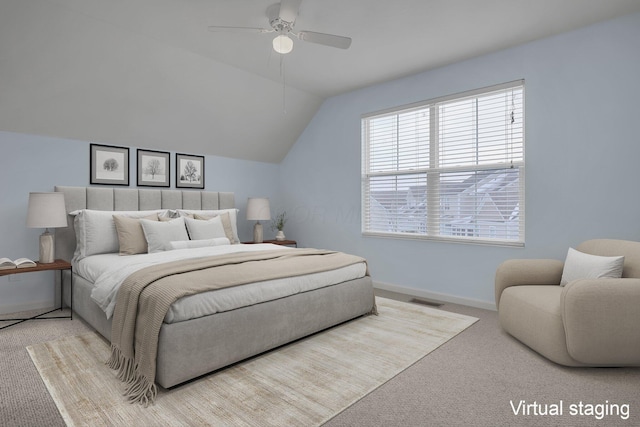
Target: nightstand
{"x":59,"y":265}
{"x":278,"y":242}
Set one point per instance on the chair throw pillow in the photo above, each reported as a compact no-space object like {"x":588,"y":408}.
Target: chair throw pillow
{"x":579,"y":265}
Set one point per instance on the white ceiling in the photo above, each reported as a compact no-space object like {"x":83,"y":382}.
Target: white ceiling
{"x":148,"y":73}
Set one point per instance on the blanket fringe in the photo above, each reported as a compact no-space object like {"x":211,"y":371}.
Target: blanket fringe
{"x":138,"y":388}
{"x":142,"y":391}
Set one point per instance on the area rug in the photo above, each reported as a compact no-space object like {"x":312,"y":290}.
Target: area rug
{"x":305,"y":383}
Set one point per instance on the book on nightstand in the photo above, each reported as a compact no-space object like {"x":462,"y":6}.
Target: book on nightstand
{"x":6,"y":263}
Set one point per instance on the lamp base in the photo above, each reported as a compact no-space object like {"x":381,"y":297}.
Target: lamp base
{"x":257,"y":233}
{"x":46,"y":248}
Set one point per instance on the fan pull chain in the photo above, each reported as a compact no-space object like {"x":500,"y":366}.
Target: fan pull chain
{"x":284,"y":86}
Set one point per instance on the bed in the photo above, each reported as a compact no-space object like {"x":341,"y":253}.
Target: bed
{"x":194,"y":345}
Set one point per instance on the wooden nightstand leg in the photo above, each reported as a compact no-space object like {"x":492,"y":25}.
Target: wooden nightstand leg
{"x":70,"y":292}
{"x":61,"y":289}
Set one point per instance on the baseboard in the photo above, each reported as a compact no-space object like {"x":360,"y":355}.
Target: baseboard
{"x":436,"y":296}
{"x":15,"y":308}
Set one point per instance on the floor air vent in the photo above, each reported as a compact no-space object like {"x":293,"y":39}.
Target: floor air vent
{"x":424,"y":302}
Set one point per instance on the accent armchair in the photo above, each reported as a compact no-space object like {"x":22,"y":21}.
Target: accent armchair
{"x":588,"y":322}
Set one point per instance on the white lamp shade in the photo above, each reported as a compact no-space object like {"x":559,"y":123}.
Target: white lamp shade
{"x":282,"y":44}
{"x":258,"y":209}
{"x":46,"y":210}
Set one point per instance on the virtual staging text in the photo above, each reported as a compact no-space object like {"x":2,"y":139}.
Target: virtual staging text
{"x":598,"y":411}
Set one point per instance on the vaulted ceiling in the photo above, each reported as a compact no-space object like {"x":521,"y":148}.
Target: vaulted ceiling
{"x":149,"y":74}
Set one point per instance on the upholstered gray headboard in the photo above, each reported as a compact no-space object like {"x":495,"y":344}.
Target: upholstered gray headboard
{"x":130,"y":199}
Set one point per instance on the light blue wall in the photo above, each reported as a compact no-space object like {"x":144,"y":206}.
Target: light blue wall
{"x":34,"y":163}
{"x":582,"y":155}
{"x":582,"y":105}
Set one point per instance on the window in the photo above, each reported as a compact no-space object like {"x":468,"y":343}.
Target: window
{"x":449,"y":169}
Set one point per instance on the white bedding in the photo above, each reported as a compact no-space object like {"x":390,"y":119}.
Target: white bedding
{"x":108,"y":271}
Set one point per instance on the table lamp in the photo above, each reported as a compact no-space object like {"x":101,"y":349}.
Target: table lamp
{"x":258,"y":210}
{"x":46,"y":210}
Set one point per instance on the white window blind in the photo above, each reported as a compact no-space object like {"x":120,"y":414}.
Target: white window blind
{"x":447,"y":169}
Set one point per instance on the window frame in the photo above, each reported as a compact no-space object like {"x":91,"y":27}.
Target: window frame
{"x":434,"y":171}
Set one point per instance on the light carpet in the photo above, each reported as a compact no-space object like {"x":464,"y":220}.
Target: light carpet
{"x":304,"y":383}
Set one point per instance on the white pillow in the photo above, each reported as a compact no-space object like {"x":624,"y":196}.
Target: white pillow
{"x":96,"y":231}
{"x":579,"y":265}
{"x":160,"y":233}
{"x":233,"y":214}
{"x":189,"y":244}
{"x":205,"y":229}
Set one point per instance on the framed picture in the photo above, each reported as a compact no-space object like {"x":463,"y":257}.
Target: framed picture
{"x":109,"y":165}
{"x":153,"y":168}
{"x":189,"y":171}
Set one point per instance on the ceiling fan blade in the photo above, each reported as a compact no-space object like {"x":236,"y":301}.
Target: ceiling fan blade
{"x":289,"y":10}
{"x":325,"y":39}
{"x":216,"y":28}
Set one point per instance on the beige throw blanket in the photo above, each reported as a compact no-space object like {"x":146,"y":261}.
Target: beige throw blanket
{"x":145,"y":296}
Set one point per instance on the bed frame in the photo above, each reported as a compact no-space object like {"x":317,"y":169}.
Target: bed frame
{"x":192,"y":348}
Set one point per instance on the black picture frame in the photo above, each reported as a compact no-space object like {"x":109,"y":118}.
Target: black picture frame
{"x":153,"y":168}
{"x":189,"y":171}
{"x":109,"y":164}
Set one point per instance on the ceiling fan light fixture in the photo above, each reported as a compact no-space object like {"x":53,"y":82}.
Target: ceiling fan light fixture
{"x":282,"y":44}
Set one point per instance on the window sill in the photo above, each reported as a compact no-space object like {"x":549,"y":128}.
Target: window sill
{"x":459,"y":240}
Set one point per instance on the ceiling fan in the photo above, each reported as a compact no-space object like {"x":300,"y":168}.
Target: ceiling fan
{"x":282,"y":18}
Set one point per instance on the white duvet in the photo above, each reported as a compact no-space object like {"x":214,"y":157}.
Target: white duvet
{"x":108,"y":271}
